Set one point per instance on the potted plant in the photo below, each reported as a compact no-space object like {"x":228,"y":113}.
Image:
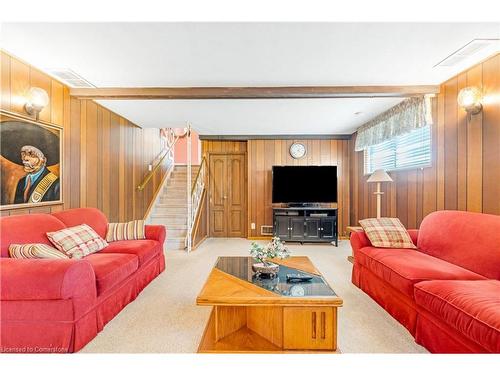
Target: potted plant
{"x":262,"y":254}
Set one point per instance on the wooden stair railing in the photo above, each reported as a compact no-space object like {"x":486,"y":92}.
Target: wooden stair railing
{"x":198,"y":195}
{"x":166,"y":153}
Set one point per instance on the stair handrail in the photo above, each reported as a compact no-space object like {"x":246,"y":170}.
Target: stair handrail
{"x":199,"y":175}
{"x":196,"y":194}
{"x":168,"y":151}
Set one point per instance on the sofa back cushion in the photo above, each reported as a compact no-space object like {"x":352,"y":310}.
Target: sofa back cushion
{"x":77,"y":242}
{"x":467,"y":239}
{"x":90,"y":216}
{"x":35,"y":251}
{"x":387,"y":232}
{"x":23,"y":229}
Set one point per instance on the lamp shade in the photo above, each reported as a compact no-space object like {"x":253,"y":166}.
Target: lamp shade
{"x":469,"y":98}
{"x":38,"y":98}
{"x":379,"y":176}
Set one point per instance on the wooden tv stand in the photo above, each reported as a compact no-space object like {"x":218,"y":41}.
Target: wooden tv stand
{"x":306,"y":224}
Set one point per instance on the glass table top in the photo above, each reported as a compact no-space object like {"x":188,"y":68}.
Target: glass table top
{"x":241,"y":267}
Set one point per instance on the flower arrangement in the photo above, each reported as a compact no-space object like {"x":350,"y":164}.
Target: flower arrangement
{"x":274,"y":249}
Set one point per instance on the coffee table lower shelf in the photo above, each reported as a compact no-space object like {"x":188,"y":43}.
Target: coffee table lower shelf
{"x":232,"y":329}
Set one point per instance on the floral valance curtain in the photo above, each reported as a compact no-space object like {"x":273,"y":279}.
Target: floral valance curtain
{"x":410,"y":114}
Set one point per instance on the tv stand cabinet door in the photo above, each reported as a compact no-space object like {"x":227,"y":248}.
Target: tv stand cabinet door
{"x":329,"y":228}
{"x":282,"y":227}
{"x":313,"y":229}
{"x":297,"y":228}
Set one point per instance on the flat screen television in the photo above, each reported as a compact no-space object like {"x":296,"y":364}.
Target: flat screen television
{"x":304,"y":184}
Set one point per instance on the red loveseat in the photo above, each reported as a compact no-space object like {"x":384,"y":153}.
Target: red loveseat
{"x":447,"y":291}
{"x":60,"y":305}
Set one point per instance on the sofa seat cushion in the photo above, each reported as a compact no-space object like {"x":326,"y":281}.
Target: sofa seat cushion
{"x":402,"y":268}
{"x":111,"y":269}
{"x":470,"y":307}
{"x":145,"y":250}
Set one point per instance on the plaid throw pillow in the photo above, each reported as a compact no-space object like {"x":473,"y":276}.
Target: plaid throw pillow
{"x":387,"y":232}
{"x":77,"y":242}
{"x":36,"y":251}
{"x":133,"y":230}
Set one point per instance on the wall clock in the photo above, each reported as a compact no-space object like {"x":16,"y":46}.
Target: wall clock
{"x":297,"y":150}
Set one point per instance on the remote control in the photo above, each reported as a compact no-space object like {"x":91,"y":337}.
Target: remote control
{"x":297,"y":278}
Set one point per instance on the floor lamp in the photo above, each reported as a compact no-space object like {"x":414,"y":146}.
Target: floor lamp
{"x":379,"y":176}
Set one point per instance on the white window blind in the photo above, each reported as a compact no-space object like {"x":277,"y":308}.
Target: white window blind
{"x":407,"y":151}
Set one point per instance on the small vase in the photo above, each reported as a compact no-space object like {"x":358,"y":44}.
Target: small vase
{"x":266,"y":269}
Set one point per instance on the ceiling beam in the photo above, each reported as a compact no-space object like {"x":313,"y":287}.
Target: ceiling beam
{"x":246,"y":137}
{"x":280,"y":92}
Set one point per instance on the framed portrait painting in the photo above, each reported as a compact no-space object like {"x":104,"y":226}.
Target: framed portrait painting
{"x":30,"y":161}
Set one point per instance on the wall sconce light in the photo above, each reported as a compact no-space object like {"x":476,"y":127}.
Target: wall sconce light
{"x":180,"y":132}
{"x":469,"y":98}
{"x":36,"y":100}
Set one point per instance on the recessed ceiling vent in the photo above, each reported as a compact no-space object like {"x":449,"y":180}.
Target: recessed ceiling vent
{"x":469,"y":50}
{"x":69,"y":77}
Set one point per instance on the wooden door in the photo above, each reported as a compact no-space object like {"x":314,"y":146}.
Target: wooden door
{"x":236,"y":194}
{"x":218,"y":178}
{"x":228,"y":195}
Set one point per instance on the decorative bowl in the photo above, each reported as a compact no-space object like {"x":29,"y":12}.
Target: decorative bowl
{"x":265,"y":270}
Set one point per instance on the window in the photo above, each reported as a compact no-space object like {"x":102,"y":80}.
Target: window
{"x":407,"y":151}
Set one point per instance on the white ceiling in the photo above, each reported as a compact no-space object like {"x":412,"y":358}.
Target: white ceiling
{"x":270,"y":116}
{"x":249,"y":54}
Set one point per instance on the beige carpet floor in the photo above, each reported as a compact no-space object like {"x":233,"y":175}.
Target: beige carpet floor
{"x":165,"y":319}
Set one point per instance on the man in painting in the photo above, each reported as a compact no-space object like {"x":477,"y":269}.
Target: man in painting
{"x":30,"y":155}
{"x":39,"y":184}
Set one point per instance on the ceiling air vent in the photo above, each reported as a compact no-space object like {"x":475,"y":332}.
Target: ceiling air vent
{"x":69,"y":77}
{"x":467,"y":51}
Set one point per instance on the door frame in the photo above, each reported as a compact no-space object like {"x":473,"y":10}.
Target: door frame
{"x":208,"y":183}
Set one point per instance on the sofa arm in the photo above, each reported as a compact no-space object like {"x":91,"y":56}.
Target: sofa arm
{"x":46,"y":279}
{"x":414,"y":235}
{"x":359,"y":239}
{"x":156,"y":232}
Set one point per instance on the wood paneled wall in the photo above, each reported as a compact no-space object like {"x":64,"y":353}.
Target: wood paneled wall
{"x":105,"y":156}
{"x":263,"y":154}
{"x":465,"y":172}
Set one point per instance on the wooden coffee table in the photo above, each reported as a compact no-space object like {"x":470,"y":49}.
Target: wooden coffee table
{"x":268,"y":315}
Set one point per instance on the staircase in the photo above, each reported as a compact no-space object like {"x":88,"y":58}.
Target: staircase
{"x":171,"y":209}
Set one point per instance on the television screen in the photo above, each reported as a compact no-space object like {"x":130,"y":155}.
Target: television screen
{"x":304,"y":184}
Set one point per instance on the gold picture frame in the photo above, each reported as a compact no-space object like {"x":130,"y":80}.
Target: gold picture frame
{"x":17,"y":130}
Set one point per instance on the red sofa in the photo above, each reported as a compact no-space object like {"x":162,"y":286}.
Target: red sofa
{"x":60,"y":305}
{"x":447,"y":291}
